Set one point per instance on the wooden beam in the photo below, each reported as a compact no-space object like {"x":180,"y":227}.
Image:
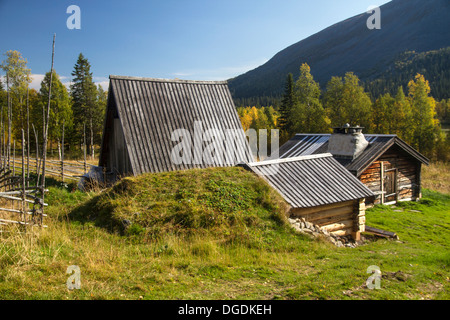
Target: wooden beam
{"x":381,"y":233}
{"x":300,"y":212}
{"x":22,"y":223}
{"x":382,"y":181}
{"x":331,"y":220}
{"x":342,"y":232}
{"x":339,"y":226}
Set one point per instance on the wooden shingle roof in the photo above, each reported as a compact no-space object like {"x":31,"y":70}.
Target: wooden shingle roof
{"x":151,"y":109}
{"x":311,"y":181}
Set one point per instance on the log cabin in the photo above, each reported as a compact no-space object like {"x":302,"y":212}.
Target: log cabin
{"x":320,"y":190}
{"x":384,"y":163}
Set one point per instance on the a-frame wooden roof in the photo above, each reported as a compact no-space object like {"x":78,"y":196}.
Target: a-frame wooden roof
{"x":151,"y":109}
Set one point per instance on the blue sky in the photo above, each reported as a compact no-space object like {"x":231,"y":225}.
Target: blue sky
{"x":186,"y":39}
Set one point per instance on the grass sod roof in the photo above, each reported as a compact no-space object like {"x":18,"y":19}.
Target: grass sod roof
{"x":211,"y":200}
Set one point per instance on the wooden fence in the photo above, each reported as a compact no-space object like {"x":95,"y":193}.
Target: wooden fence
{"x":64,"y":169}
{"x":21,"y":192}
{"x":20,"y":202}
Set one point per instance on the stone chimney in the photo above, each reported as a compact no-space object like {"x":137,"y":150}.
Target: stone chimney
{"x":347,"y":142}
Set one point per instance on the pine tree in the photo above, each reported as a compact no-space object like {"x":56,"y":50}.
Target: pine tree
{"x":443,"y":111}
{"x":85,"y":108}
{"x":287,"y":103}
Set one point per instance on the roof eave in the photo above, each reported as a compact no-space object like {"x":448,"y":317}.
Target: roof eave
{"x":413,"y":152}
{"x":116,"y":77}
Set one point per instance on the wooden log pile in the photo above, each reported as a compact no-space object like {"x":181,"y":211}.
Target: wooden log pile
{"x":314,"y":231}
{"x":340,"y":219}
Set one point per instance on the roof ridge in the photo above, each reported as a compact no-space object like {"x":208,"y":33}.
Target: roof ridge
{"x":380,"y":135}
{"x":284,"y":160}
{"x":117,"y":77}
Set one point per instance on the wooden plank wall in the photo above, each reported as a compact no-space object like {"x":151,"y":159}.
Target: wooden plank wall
{"x":408,"y":179}
{"x":344,"y":218}
{"x":372,"y":177}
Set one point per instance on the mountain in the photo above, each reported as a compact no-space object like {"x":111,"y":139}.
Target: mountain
{"x":433,"y":65}
{"x":406,"y":26}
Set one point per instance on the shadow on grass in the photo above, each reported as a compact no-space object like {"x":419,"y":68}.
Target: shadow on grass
{"x":96,"y":212}
{"x":82,"y":209}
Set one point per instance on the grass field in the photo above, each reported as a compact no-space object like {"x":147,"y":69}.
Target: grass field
{"x":437,"y":177}
{"x":219,"y":234}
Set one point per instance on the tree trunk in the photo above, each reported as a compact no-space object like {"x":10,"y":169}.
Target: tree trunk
{"x":59,"y":150}
{"x":28,"y":140}
{"x":92,"y":142}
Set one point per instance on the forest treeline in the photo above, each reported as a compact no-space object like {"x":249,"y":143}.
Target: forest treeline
{"x":79,"y":109}
{"x":414,"y":115}
{"x":433,"y":65}
{"x":410,"y":112}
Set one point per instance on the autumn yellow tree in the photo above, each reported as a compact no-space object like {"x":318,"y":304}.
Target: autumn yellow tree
{"x":18,"y":77}
{"x":347,"y":102}
{"x":307,"y":114}
{"x":425,"y":127}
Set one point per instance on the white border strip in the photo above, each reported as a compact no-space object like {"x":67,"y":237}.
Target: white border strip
{"x":277,"y":161}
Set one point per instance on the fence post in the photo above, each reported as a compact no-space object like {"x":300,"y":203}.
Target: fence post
{"x":37,"y":156}
{"x":24,"y":203}
{"x":84,"y":146}
{"x":28,"y":140}
{"x":14,"y":158}
{"x":62,"y":154}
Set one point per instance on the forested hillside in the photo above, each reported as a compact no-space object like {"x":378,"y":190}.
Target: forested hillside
{"x":411,"y":113}
{"x":434,"y":65}
{"x":410,"y":31}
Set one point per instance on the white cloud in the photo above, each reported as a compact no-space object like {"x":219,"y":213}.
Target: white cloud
{"x":36,"y":80}
{"x":103,"y":81}
{"x":67,"y":84}
{"x":219,"y":74}
{"x":104,"y":84}
{"x":181,"y":74}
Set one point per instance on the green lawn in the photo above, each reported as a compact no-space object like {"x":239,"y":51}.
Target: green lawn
{"x":217,"y":234}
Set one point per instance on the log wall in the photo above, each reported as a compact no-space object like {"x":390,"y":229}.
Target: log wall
{"x":344,"y":218}
{"x":408,"y":176}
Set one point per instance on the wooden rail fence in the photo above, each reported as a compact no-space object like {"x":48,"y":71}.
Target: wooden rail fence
{"x":20,"y":203}
{"x":71,"y":170}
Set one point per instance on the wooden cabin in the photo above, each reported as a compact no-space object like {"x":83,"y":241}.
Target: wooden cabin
{"x":384,"y":163}
{"x":143,"y":113}
{"x":320,"y":190}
